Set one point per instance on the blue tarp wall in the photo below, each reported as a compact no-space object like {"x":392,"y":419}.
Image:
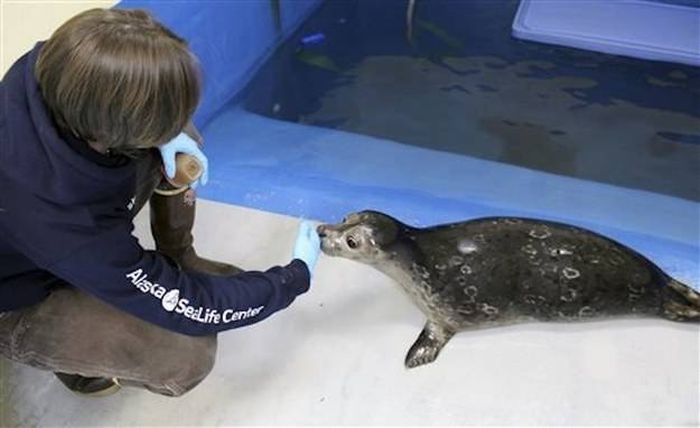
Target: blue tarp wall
{"x":230,"y":38}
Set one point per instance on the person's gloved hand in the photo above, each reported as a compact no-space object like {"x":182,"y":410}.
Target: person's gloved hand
{"x":308,"y":245}
{"x":183,"y":144}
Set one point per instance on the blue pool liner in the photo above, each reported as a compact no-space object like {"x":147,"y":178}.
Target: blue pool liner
{"x":324,"y":174}
{"x":660,"y":30}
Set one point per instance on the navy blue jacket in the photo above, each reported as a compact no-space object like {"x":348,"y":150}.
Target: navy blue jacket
{"x":65,"y":218}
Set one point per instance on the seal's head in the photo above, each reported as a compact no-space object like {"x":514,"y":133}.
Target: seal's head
{"x":367,"y":237}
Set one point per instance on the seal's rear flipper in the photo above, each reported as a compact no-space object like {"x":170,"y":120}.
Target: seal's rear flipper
{"x":428,"y":345}
{"x":682,"y":303}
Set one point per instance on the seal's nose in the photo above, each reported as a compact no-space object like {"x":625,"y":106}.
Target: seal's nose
{"x":321,"y":230}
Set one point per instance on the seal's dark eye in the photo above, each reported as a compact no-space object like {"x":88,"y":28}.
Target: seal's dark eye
{"x":352,"y":243}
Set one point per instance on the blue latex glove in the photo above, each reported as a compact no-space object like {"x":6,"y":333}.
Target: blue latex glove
{"x":308,"y":245}
{"x":183,"y":144}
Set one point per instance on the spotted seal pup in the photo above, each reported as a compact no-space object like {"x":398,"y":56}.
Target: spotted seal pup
{"x":499,"y":271}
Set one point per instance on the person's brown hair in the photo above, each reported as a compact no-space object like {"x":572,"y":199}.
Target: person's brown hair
{"x":119,"y":79}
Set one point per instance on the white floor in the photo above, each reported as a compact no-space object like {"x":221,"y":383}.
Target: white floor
{"x":335,"y":357}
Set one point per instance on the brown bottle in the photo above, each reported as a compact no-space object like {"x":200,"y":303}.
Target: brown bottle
{"x":187,"y":170}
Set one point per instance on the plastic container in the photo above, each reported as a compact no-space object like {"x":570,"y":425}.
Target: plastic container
{"x":653,"y":30}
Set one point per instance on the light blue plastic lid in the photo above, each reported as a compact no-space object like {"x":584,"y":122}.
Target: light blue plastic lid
{"x":660,"y":30}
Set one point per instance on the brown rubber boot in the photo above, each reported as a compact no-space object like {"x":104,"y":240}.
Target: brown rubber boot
{"x":172,"y":219}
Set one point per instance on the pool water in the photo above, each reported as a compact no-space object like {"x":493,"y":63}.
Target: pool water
{"x":459,"y":83}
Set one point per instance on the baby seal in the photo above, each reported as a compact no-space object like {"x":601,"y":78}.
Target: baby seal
{"x":502,"y":270}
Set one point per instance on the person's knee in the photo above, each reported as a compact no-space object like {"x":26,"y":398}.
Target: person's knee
{"x":188,"y":366}
{"x":196,"y":369}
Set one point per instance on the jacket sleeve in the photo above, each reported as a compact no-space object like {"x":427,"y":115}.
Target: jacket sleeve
{"x":115,"y":268}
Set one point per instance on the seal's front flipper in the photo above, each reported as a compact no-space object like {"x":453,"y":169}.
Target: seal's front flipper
{"x":428,"y":345}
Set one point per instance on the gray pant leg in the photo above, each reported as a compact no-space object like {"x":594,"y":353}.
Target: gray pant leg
{"x":72,"y":332}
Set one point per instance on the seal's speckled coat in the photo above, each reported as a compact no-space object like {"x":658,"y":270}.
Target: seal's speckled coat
{"x":497,"y":271}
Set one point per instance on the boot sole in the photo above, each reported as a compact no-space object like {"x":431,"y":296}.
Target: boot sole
{"x":105,"y":392}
